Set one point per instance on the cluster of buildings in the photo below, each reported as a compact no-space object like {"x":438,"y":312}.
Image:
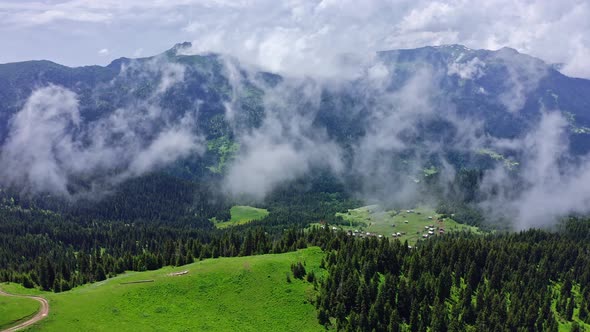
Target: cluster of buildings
{"x":430,"y":229}
{"x":358,"y":233}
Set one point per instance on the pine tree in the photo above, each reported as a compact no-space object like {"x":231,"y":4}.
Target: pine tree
{"x":569,"y":311}
{"x":583,"y":313}
{"x":99,"y":275}
{"x":323,"y":317}
{"x":439,"y":317}
{"x":551,"y":324}
{"x":575,"y":327}
{"x":394,"y":321}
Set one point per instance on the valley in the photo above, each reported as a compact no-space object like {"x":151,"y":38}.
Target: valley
{"x":393,"y":188}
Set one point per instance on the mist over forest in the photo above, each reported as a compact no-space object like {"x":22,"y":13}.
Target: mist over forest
{"x":396,"y":128}
{"x":304,"y":165}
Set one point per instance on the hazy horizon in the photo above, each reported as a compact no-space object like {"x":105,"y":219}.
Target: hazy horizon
{"x":280,"y":36}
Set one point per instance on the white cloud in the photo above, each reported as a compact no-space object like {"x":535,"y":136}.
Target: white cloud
{"x":286,"y":146}
{"x":553,"y":186}
{"x":32,"y":154}
{"x":467,"y":70}
{"x":138,"y":52}
{"x":48,"y":148}
{"x":309,"y":36}
{"x":103,"y":52}
{"x":578,"y":64}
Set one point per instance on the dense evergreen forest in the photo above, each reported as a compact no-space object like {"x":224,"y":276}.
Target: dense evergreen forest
{"x":502,"y":281}
{"x":508,"y":282}
{"x":148,"y":223}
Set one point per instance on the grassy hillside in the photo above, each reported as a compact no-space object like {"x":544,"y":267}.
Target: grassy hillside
{"x":14,"y":310}
{"x":241,"y":214}
{"x":225,"y":294}
{"x":374,"y":219}
{"x":225,"y":148}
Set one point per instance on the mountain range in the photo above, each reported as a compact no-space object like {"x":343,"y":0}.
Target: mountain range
{"x":405,"y":115}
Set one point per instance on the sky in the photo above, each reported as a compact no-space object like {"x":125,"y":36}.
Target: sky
{"x":310,"y":36}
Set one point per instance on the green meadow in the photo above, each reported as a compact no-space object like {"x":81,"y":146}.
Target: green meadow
{"x":241,"y":214}
{"x":224,"y":294}
{"x":14,"y":310}
{"x":412,"y":222}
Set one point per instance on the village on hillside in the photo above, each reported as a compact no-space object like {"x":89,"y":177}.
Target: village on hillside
{"x":413,"y":225}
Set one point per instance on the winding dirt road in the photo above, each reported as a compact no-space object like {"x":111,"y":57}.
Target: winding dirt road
{"x":43,"y":312}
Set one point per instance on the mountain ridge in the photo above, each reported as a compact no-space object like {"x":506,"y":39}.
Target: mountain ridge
{"x":409,"y":110}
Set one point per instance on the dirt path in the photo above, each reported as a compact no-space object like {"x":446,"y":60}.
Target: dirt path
{"x":43,"y":312}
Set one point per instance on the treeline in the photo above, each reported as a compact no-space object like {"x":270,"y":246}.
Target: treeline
{"x":153,"y":197}
{"x":304,"y":202}
{"x":511,"y":282}
{"x":39,"y":248}
{"x":148,"y":223}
